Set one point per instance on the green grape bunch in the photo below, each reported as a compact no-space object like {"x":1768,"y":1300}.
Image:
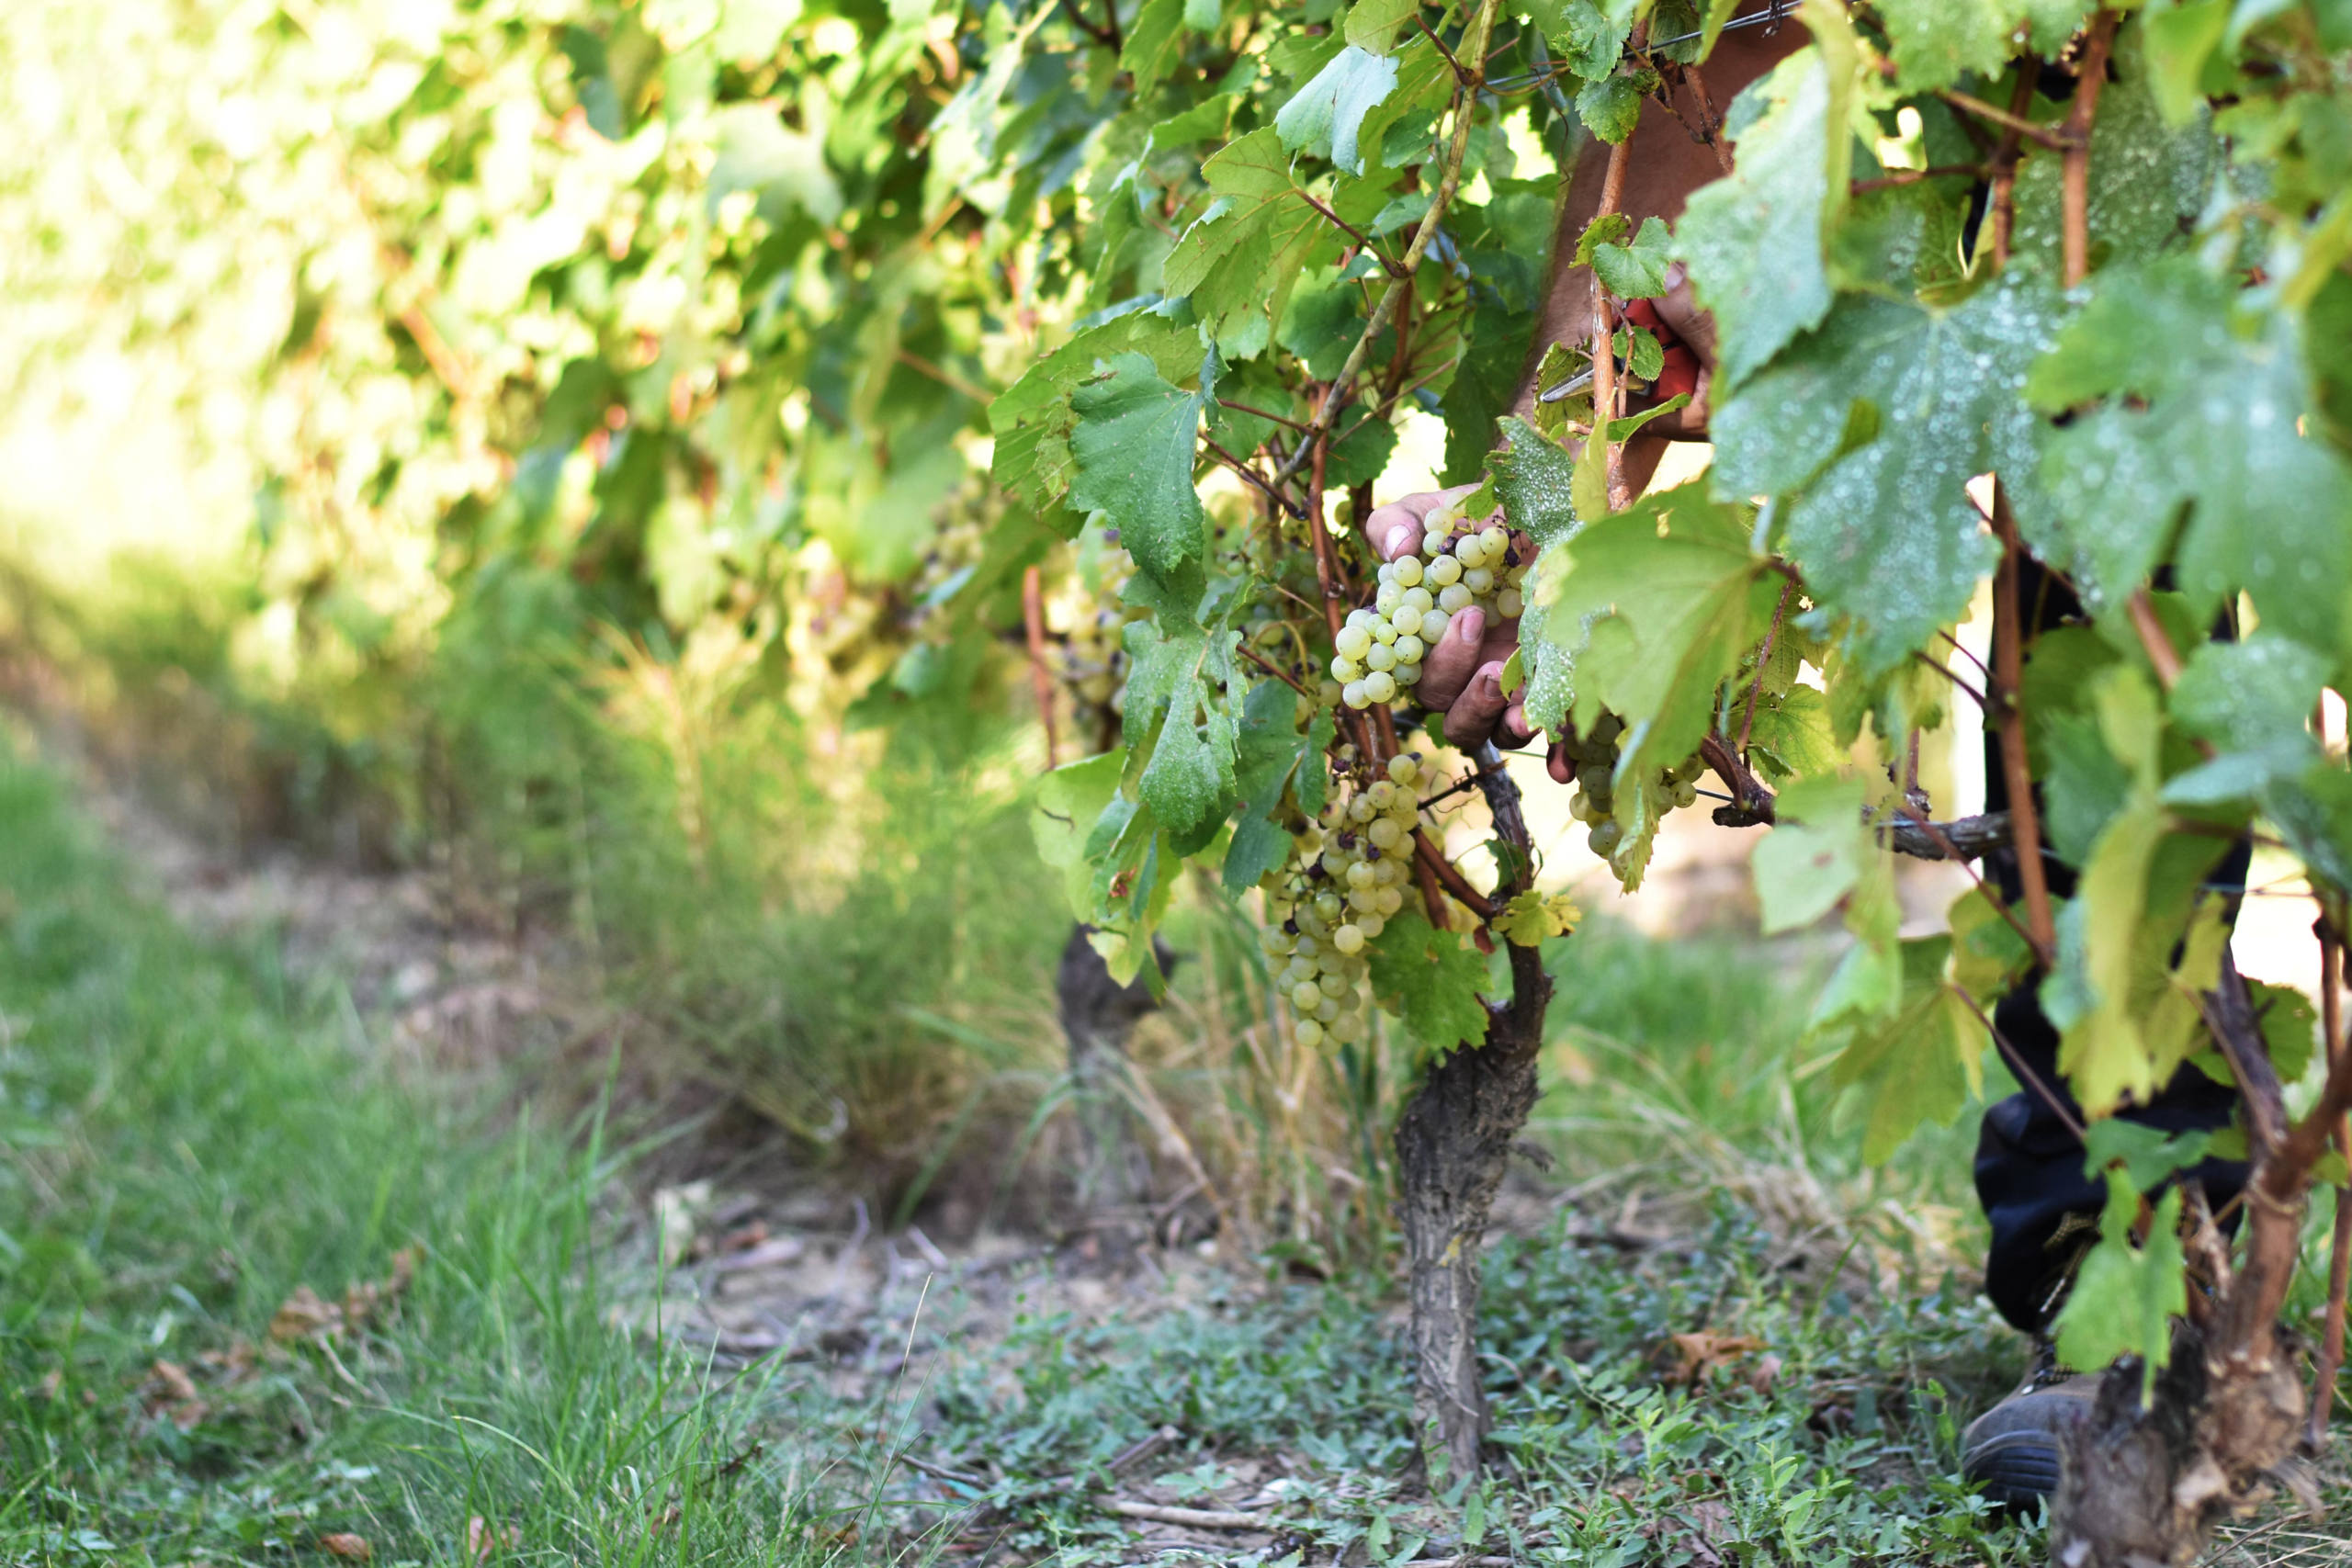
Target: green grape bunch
{"x":1593,"y":754}
{"x":1346,"y":878}
{"x":1378,"y":651}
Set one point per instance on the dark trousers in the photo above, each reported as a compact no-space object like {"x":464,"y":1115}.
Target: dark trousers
{"x":2030,"y":1177}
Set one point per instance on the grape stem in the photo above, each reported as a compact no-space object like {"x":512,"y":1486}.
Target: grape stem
{"x":1434,"y":859}
{"x":1284,"y":676}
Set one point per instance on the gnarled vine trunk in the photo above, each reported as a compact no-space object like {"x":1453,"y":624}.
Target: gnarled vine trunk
{"x":1453,"y":1144}
{"x":2141,"y":1486}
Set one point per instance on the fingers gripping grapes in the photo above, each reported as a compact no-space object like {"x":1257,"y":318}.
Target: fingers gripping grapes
{"x":1460,"y":581}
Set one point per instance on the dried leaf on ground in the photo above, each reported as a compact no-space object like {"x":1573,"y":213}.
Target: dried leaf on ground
{"x":484,"y":1540}
{"x":169,"y":1391}
{"x":349,"y":1546}
{"x":304,"y":1316}
{"x":1696,"y":1355}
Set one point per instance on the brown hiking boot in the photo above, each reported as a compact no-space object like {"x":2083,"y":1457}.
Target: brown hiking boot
{"x":2011,"y":1450}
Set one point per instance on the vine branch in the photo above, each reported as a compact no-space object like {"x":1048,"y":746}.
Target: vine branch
{"x":2008,"y":662}
{"x":1466,"y":103}
{"x":2076,"y":192}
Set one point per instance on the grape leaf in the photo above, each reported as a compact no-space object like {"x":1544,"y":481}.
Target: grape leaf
{"x":1374,"y":24}
{"x":1610,"y":106}
{"x":1032,"y":419}
{"x":1069,"y":801}
{"x":1431,"y":980}
{"x":1652,"y":609}
{"x":1132,"y":450}
{"x":1533,"y":918}
{"x":1154,"y":42}
{"x":2148,"y":1155}
{"x":1323,"y":116}
{"x":1753,"y":239}
{"x":2124,"y":1298}
{"x":1939,"y":41}
{"x":1238,"y":260}
{"x":1921,"y":1064}
{"x":2258,"y":693}
{"x":1634,"y":270}
{"x":1533,"y":478}
{"x":1792,"y":737}
{"x":1987,"y":952}
{"x":1589,"y":41}
{"x":2149,"y":180}
{"x":1813,"y":856}
{"x":1133,"y":875}
{"x":1181,"y":699}
{"x":1904,"y":405}
{"x":1270,"y":752}
{"x":2203,"y":410}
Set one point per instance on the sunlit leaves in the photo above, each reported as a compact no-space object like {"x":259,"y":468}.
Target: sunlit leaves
{"x":2205,"y":410}
{"x":1239,"y":259}
{"x":1754,"y":239}
{"x":1324,"y":117}
{"x":1871,"y":427}
{"x":1938,"y":41}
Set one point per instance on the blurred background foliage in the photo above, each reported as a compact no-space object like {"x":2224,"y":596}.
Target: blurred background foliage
{"x":544,"y":442}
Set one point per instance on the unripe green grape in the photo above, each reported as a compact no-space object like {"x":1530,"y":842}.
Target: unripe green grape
{"x":1433,"y":541}
{"x":1360,"y":812}
{"x":1354,"y":696}
{"x":1433,"y":626}
{"x":1408,"y":648}
{"x":1384,"y":834}
{"x":1405,"y":769}
{"x":1348,"y":939}
{"x":1389,"y":598}
{"x":1405,"y":571}
{"x":1380,"y":656}
{"x":1344,"y":670}
{"x":1380,"y":686}
{"x":1307,"y":996}
{"x":1369,"y":925}
{"x":1455,"y":600}
{"x":1510,"y":604}
{"x":1307,"y":1034}
{"x":1418,"y":600}
{"x":1444,"y":571}
{"x":1335,"y":860}
{"x":1407,"y":674}
{"x":1605,"y":838}
{"x":1360,"y":874}
{"x":1352,"y":641}
{"x":1387,"y":901}
{"x":1494,"y":540}
{"x":1328,"y":692}
{"x":1327,"y":905}
{"x":1367,"y":900}
{"x":1478,"y":580}
{"x":1686,"y":795}
{"x":1384,"y":631}
{"x":1327,"y":1011}
{"x":1381,"y":797}
{"x":1276,"y":941}
{"x":1307,"y":947}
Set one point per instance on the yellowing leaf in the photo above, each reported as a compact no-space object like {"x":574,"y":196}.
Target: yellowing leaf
{"x":1533,"y":917}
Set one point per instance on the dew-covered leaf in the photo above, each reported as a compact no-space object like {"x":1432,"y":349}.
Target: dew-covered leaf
{"x":1871,"y":427}
{"x":1133,"y":448}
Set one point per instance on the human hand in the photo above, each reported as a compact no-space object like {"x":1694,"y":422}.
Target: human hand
{"x":1462,"y":675}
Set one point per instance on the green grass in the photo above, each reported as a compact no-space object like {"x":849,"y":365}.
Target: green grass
{"x":184,"y":1143}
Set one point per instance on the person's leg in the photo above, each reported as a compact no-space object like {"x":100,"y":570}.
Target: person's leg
{"x":2043,"y":1207}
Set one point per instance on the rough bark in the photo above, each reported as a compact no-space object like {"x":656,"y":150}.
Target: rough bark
{"x":2141,"y":1486}
{"x":1098,"y":1015}
{"x":1452,"y":1146}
